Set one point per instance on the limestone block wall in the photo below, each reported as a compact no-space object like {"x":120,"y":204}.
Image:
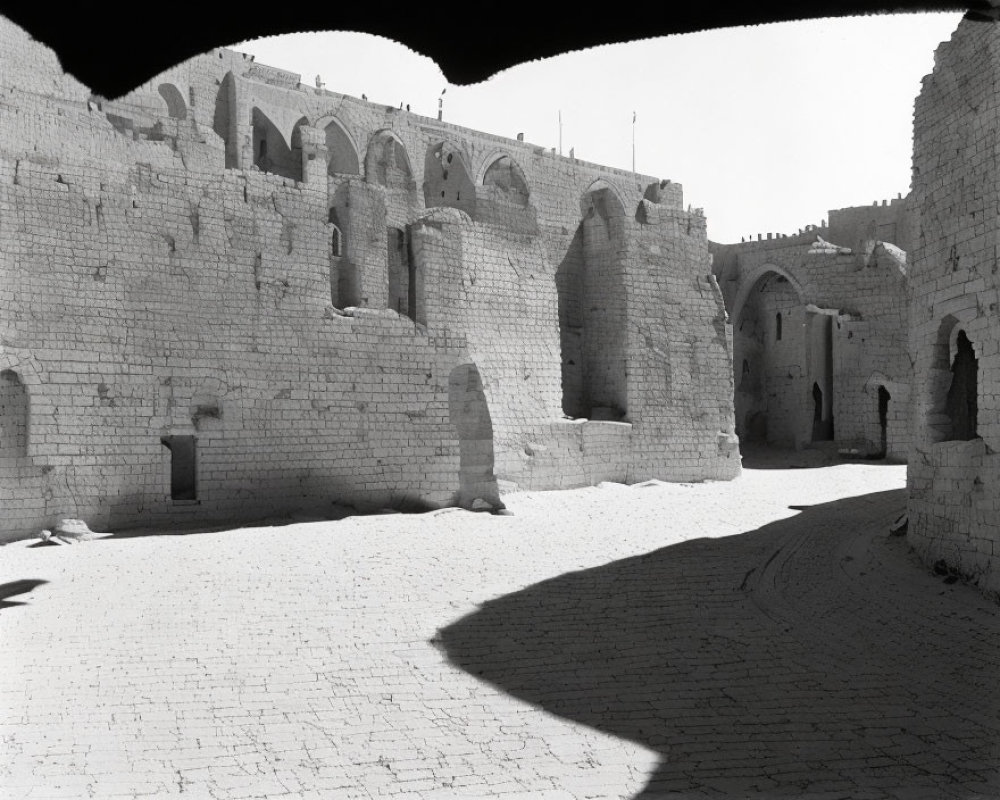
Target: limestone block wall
{"x":228,"y":294}
{"x":885,"y":221}
{"x":953,"y":479}
{"x":852,"y":297}
{"x":148,"y":324}
{"x":680,"y":386}
{"x":496,"y":288}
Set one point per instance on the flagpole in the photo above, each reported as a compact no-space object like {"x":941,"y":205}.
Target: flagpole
{"x":560,"y":131}
{"x":633,"y":142}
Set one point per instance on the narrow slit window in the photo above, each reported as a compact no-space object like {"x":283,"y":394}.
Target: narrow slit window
{"x":777,"y":326}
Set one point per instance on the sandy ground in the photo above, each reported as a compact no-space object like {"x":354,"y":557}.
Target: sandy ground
{"x":763,"y":637}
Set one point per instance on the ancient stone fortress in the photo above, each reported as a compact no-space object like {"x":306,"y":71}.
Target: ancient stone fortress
{"x":228,"y":295}
{"x":954,"y":468}
{"x":820,"y":350}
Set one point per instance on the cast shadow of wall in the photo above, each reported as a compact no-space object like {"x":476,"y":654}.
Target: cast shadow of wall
{"x":15,"y":588}
{"x":807,"y":655}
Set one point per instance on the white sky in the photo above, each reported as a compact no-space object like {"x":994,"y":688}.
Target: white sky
{"x":767,"y":127}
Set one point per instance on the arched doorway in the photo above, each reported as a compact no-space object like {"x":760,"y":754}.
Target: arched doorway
{"x":769,"y":360}
{"x":590,"y":283}
{"x":470,"y":415}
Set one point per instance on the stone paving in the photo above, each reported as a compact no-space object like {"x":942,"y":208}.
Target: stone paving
{"x":609,"y":642}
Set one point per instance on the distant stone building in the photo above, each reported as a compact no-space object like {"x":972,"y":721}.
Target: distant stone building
{"x":230,"y":294}
{"x":954,"y":476}
{"x":820,"y":333}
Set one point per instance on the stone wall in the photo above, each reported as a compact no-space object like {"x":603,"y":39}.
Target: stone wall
{"x":840,"y":370}
{"x":954,"y":476}
{"x":230,"y":295}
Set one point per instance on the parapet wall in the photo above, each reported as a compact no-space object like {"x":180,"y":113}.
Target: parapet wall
{"x":229,"y":295}
{"x":954,"y":511}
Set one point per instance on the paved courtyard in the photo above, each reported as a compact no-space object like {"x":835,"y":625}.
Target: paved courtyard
{"x":759,"y":638}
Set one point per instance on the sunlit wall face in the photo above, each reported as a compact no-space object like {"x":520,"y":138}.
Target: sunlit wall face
{"x":767,"y":127}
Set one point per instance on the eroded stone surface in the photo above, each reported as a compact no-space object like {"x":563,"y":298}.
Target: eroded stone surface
{"x":954,"y":507}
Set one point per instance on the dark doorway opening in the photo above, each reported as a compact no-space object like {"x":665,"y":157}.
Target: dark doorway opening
{"x":962,"y":403}
{"x":822,"y":430}
{"x":183,"y":471}
{"x":883,"y":421}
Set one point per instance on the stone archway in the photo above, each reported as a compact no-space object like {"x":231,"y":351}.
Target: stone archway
{"x":590,"y":283}
{"x":470,"y":416}
{"x":769,"y":358}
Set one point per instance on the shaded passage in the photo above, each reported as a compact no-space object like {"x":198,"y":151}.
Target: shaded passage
{"x":764,"y":664}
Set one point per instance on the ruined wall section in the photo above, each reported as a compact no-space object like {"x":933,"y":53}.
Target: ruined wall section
{"x":888,"y":221}
{"x":679,"y":365}
{"x":494,"y":288}
{"x":34,"y":68}
{"x":953,"y":480}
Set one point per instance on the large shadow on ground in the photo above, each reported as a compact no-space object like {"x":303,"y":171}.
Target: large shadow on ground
{"x":814,"y":654}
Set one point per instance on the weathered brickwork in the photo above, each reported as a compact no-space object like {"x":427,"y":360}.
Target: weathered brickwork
{"x":229,"y":294}
{"x":820,"y":332}
{"x":954,"y":476}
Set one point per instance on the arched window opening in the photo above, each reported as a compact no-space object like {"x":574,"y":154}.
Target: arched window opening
{"x":446,"y":180}
{"x":272,"y":154}
{"x":13,"y":417}
{"x":176,"y":107}
{"x":506,"y":180}
{"x":962,"y":404}
{"x":223,"y":122}
{"x":386,"y":162}
{"x":336,"y":242}
{"x":343,"y":158}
